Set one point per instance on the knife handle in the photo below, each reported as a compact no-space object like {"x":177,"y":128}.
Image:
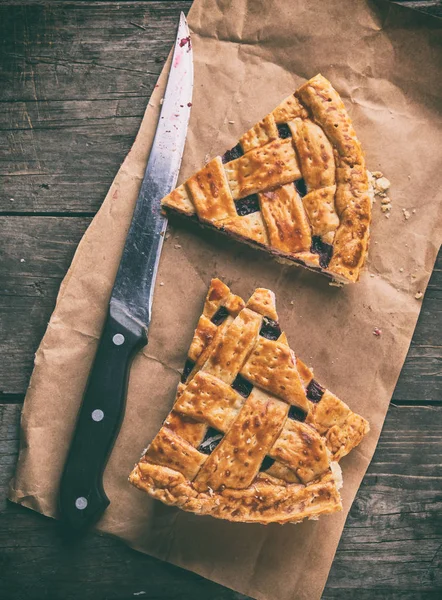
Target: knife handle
{"x":82,"y":499}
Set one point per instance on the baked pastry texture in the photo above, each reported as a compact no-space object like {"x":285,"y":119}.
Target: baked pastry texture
{"x":295,"y":184}
{"x":251,"y":436}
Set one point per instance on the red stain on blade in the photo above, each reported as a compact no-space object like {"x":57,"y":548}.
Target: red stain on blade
{"x":186,"y":41}
{"x":177,"y":60}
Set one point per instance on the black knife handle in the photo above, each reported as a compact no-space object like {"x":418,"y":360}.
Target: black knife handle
{"x":82,"y":499}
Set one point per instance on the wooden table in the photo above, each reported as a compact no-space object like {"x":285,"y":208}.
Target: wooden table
{"x":75,"y":82}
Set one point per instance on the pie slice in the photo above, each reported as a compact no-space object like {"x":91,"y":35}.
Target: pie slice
{"x":247,"y":438}
{"x":295,"y":184}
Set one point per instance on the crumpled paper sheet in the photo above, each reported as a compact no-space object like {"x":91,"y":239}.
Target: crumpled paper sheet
{"x":249,"y":55}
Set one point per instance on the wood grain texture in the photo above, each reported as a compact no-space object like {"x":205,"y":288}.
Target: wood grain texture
{"x":391,"y":546}
{"x":431,"y":7}
{"x":75,"y":81}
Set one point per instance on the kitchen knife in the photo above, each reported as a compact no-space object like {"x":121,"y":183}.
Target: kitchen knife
{"x":82,"y":499}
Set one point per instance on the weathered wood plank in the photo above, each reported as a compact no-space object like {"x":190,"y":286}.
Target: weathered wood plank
{"x":34,"y":257}
{"x":431,"y":7}
{"x":75,"y":81}
{"x":83,"y":51}
{"x":36,"y":252}
{"x":63,"y":170}
{"x":391,"y":547}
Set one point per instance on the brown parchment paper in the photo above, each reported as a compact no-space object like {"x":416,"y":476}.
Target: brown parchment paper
{"x":249,"y":55}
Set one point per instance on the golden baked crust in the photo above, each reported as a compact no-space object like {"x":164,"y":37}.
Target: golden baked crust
{"x":260,"y":134}
{"x":250,"y":227}
{"x":331,"y":417}
{"x":244,"y":441}
{"x":210,"y":192}
{"x":268,"y":500}
{"x":262,"y":169}
{"x":287,"y":224}
{"x":295,"y":184}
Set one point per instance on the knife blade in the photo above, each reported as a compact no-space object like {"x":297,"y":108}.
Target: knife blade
{"x":82,"y":498}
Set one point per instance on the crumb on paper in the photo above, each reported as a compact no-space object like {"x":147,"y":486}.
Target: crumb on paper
{"x":177,"y":246}
{"x":406,"y":214}
{"x":22,"y":260}
{"x":292,"y":302}
{"x":206,"y":159}
{"x":162,"y":100}
{"x":11,"y":199}
{"x":414,"y":211}
{"x":381,"y":184}
{"x":232,"y":122}
{"x":161,"y":282}
{"x":401,"y":270}
{"x":377,"y":332}
{"x":334,"y":283}
{"x":378,"y":186}
{"x":371,"y":274}
{"x":419,"y":295}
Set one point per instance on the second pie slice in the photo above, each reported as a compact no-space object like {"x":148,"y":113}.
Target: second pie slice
{"x":252,"y":436}
{"x":295,"y":184}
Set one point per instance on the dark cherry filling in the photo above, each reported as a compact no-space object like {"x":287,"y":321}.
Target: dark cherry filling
{"x":247,"y":205}
{"x":242,"y":386}
{"x":266,"y":463}
{"x":210,"y":441}
{"x":301,"y":188}
{"x":270,"y":329}
{"x":232,"y":154}
{"x":314,"y":391}
{"x":188,"y":366}
{"x":284,"y":131}
{"x":324,"y":250}
{"x":297,"y":414}
{"x":221,"y":315}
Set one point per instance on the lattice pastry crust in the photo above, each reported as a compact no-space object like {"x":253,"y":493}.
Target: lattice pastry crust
{"x":295,"y":184}
{"x":252,"y":436}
